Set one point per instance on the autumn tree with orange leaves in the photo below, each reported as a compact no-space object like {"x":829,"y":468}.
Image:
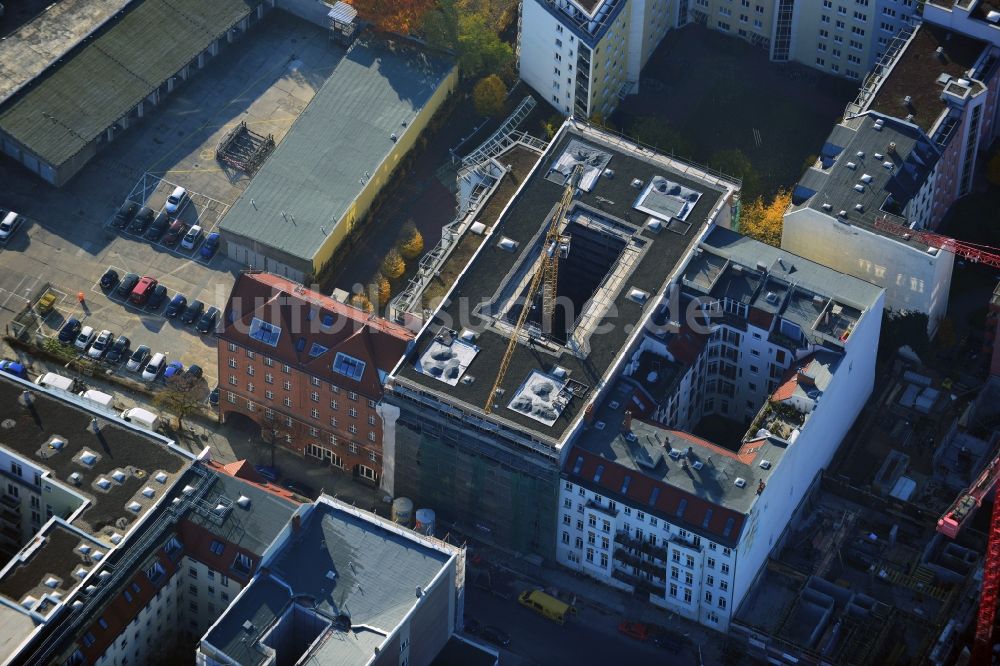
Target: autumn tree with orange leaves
{"x":399,"y":16}
{"x":763,"y":221}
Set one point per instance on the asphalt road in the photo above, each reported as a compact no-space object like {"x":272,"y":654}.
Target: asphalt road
{"x":588,"y":638}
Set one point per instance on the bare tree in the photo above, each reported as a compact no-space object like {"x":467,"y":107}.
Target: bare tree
{"x":182,"y":395}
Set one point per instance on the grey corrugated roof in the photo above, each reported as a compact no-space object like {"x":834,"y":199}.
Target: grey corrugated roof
{"x":376,"y":576}
{"x":309,"y":182}
{"x":72,"y":105}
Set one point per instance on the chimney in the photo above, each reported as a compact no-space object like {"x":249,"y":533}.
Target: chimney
{"x":627,"y":421}
{"x":891,"y":150}
{"x":26,"y":398}
{"x":939,"y":52}
{"x":760,"y":486}
{"x":908,"y":102}
{"x":804,"y":378}
{"x":588,"y":415}
{"x":296,"y":523}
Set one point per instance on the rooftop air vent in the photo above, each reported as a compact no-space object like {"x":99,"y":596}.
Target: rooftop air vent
{"x":507,"y":244}
{"x":81,"y":573}
{"x":88,"y":458}
{"x":135,"y":507}
{"x":638,"y":295}
{"x":75,"y":478}
{"x":116,"y":538}
{"x":600,"y":425}
{"x":57,"y":443}
{"x":740,"y":482}
{"x":842,"y":213}
{"x":698,"y":464}
{"x":560,"y":372}
{"x":827,"y":206}
{"x":118,"y":475}
{"x":243,"y":502}
{"x":52,"y":582}
{"x":852,"y":165}
{"x":161,"y":477}
{"x":887,"y":164}
{"x":859,"y":207}
{"x":771,"y":298}
{"x":907,"y":101}
{"x":860,"y":187}
{"x":103,"y":483}
{"x":609,"y":173}
{"x":636,"y":183}
{"x":765,"y":464}
{"x":148,"y":492}
{"x":675,"y":454}
{"x":468,"y":335}
{"x":866,"y":179}
{"x":993,"y":16}
{"x":861,"y":154}
{"x":467,"y":379}
{"x":654,"y":225}
{"x":878,"y":156}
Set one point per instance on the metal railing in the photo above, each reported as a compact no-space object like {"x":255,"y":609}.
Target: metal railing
{"x":881,"y":70}
{"x":499,"y":141}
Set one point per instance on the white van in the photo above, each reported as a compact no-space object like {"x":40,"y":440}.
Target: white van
{"x":101,"y":398}
{"x":8,"y":225}
{"x":175,"y":200}
{"x":53,"y":380}
{"x":155,"y":366}
{"x":141,"y":417}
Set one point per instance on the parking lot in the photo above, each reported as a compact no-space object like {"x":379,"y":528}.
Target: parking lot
{"x":66,"y":244}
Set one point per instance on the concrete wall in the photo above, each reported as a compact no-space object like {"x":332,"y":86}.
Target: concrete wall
{"x":381,"y":174}
{"x":913,"y":278}
{"x":314,"y":11}
{"x":540,"y":57}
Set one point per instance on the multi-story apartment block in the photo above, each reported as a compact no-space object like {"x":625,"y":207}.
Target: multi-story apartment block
{"x":583,"y":56}
{"x":874,"y":170}
{"x":343,"y":587}
{"x":651,"y":508}
{"x":975,"y":18}
{"x":309,"y":369}
{"x":841,"y":37}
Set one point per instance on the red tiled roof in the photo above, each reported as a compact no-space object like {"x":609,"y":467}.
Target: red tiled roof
{"x":761,"y":319}
{"x":242,"y":469}
{"x":790,"y":382}
{"x":640,"y":491}
{"x":300,"y":313}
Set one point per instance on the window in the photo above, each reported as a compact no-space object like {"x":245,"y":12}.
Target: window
{"x":708,"y":596}
{"x":217,"y":547}
{"x":193,"y":573}
{"x":722,"y":602}
{"x":285,"y":369}
{"x":352,"y":412}
{"x":711,"y":563}
{"x":352,"y":447}
{"x":231,"y":347}
{"x":673,"y":589}
{"x":224,"y":581}
{"x":723,"y":585}
{"x":287,"y":385}
{"x":565,"y":537}
{"x":314,"y":413}
{"x":348,"y":366}
{"x":352,"y":395}
{"x":725,"y":568}
{"x":88,"y":639}
{"x":373,"y":456}
{"x":232,"y":363}
{"x":287,"y":401}
{"x":314,"y":396}
{"x":243,"y":563}
{"x":371,"y":420}
{"x":372,"y":404}
{"x":269,"y":362}
{"x":265,"y":332}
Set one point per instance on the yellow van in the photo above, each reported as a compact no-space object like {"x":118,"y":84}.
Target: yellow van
{"x":547,"y":605}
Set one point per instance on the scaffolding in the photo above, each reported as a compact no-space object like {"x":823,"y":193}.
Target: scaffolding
{"x":503,"y":138}
{"x":244,"y":149}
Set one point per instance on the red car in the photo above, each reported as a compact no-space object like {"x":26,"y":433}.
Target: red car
{"x":636,"y":630}
{"x":175,"y":233}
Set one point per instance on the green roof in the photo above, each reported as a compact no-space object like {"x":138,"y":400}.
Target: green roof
{"x":70,"y":106}
{"x":307,"y":185}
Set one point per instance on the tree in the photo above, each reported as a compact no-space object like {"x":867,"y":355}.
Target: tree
{"x":480,"y":49}
{"x":489,"y":95}
{"x":654,"y":132}
{"x":182,"y":395}
{"x":393,"y":265}
{"x":762,"y":221}
{"x":412,"y":245}
{"x":552,"y":125}
{"x":733,"y":162}
{"x":361,"y":302}
{"x":399,"y":16}
{"x":381,"y":289}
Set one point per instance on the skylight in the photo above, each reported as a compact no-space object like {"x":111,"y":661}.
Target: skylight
{"x":655,"y":495}
{"x":578,"y":465}
{"x":348,"y":366}
{"x":598,"y":473}
{"x":265,"y":332}
{"x":628,"y":480}
{"x":317,"y":350}
{"x":728,"y":529}
{"x":680,"y":508}
{"x":708,"y":518}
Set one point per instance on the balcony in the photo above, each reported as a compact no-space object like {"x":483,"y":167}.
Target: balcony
{"x":644,"y":547}
{"x":638,"y":582}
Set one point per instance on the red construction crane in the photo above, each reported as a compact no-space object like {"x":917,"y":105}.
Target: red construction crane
{"x":950,"y":524}
{"x":980,"y":254}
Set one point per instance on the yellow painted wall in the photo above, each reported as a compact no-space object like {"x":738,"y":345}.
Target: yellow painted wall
{"x":380,"y":176}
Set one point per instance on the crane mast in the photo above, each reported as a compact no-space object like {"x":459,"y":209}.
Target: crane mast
{"x":549,"y":270}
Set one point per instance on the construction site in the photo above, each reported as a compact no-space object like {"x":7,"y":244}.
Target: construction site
{"x":883,"y":563}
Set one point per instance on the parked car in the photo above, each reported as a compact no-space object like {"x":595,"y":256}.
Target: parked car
{"x":192,"y":313}
{"x":175,"y":233}
{"x":191,"y":237}
{"x":194,"y":371}
{"x":154,"y":367}
{"x":125,"y":214}
{"x":69,"y":330}
{"x":176,"y":306}
{"x":299,"y":488}
{"x":210,"y":246}
{"x":157,"y":298}
{"x":637,"y":630}
{"x":84,"y":338}
{"x":127,"y":284}
{"x":13,"y":368}
{"x":100,"y":347}
{"x":143,"y":290}
{"x":158,"y":227}
{"x":213,"y":397}
{"x":269,"y":473}
{"x":8,"y":225}
{"x":173,"y":369}
{"x":137,"y":361}
{"x":109,"y":280}
{"x":208,"y":320}
{"x":495,"y":635}
{"x":142,"y":220}
{"x":119,"y":350}
{"x":175,"y":200}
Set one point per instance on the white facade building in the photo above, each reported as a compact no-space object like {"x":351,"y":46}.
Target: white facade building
{"x":645,"y":505}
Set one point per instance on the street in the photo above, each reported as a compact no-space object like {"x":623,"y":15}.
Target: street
{"x":591,"y":637}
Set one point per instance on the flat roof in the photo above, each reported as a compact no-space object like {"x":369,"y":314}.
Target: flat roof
{"x":917,"y":74}
{"x":109,"y":469}
{"x":642,"y":259}
{"x":307,"y":185}
{"x":62,"y":112}
{"x":343,"y":562}
{"x":873,"y":161}
{"x":32,"y":48}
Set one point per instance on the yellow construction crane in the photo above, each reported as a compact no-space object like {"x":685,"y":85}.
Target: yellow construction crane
{"x":549,"y":269}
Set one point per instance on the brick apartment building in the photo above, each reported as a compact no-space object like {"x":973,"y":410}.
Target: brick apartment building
{"x":308,"y":369}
